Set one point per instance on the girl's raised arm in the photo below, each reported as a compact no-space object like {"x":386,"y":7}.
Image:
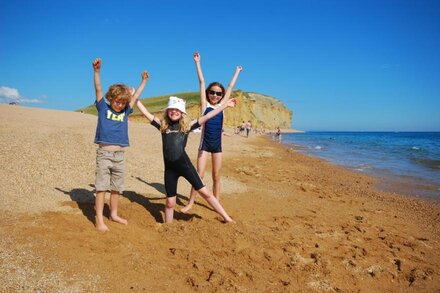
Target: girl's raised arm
{"x":140,"y":88}
{"x":97,"y":78}
{"x":145,"y":112}
{"x":201,"y":82}
{"x":232,"y":82}
{"x":229,"y":103}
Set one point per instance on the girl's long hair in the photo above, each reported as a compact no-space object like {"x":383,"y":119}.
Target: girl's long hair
{"x":184,"y":122}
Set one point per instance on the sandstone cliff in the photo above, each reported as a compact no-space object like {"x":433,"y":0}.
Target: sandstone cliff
{"x":263,"y":111}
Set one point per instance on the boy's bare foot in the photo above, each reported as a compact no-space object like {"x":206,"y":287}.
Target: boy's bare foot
{"x":102,"y":227}
{"x":118,"y":219}
{"x":186,"y":208}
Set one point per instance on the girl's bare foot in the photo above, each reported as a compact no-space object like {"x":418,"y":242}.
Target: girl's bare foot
{"x":118,"y":219}
{"x":230,"y":221}
{"x":102,"y":227}
{"x":186,"y":208}
{"x":225,"y":220}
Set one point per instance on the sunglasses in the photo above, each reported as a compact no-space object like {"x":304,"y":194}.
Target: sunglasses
{"x":214,"y":93}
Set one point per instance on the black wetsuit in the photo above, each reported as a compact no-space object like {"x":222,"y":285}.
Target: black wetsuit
{"x":177,"y":162}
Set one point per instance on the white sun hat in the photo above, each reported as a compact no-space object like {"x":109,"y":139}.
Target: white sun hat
{"x":177,"y":103}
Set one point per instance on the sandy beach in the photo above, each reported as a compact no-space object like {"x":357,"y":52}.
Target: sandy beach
{"x":303,"y":225}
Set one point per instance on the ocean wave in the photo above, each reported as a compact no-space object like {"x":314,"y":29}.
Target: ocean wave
{"x":362,"y":167}
{"x":298,"y":147}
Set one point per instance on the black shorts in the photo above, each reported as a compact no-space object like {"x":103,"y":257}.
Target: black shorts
{"x":181,"y":167}
{"x":212,"y":146}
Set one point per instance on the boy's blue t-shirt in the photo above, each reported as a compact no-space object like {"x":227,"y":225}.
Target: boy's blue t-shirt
{"x":112,"y":126}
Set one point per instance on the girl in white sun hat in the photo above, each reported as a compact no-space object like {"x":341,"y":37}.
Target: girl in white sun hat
{"x":175,"y":128}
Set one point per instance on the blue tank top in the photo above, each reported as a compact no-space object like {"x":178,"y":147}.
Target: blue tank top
{"x":212,"y":130}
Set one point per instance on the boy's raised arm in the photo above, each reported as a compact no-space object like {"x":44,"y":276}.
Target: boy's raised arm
{"x":145,"y":112}
{"x":229,"y":103}
{"x":97,"y":78}
{"x":232,"y":82}
{"x":140,"y":88}
{"x":201,"y":82}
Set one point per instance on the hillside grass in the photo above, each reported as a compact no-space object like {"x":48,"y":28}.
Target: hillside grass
{"x":154,"y":104}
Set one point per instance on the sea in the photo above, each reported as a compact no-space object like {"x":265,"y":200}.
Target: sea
{"x":405,"y":162}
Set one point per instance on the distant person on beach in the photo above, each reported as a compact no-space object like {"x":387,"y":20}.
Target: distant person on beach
{"x":242,"y":127}
{"x":248,"y":127}
{"x":175,"y":129}
{"x":112,"y":138}
{"x":211,"y":138}
{"x":279,"y":135}
{"x":237,"y":130}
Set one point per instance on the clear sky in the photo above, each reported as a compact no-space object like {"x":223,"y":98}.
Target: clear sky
{"x":338,"y":65}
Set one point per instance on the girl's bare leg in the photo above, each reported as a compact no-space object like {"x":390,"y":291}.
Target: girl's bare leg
{"x":114,"y":200}
{"x":215,"y":204}
{"x":99,"y":209}
{"x":192,"y":199}
{"x":216,"y":179}
{"x":201,"y":167}
{"x":169,"y":209}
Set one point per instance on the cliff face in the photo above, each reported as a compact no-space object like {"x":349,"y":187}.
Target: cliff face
{"x":263,"y":111}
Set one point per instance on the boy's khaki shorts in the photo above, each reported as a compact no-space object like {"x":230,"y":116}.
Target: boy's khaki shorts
{"x":110,"y":169}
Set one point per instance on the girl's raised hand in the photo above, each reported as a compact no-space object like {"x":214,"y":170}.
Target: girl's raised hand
{"x":239,"y":68}
{"x":145,"y":75}
{"x":231,"y":103}
{"x":97,"y":64}
{"x":196,"y":57}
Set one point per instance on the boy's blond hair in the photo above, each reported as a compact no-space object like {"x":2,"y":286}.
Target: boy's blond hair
{"x":119,"y":91}
{"x":184,"y":122}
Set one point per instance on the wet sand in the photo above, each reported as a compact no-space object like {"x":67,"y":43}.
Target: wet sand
{"x":302,"y":224}
{"x":410,"y":186}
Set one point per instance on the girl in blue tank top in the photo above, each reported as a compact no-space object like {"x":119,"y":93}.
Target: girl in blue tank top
{"x":211,"y":138}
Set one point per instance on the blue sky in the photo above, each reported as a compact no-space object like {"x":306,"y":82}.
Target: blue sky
{"x":338,"y":65}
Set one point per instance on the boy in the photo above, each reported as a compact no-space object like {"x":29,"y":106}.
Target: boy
{"x":112,"y":138}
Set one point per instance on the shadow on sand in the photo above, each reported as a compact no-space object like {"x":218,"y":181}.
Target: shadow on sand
{"x":85,"y":199}
{"x":161,"y":188}
{"x":156,"y":209}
